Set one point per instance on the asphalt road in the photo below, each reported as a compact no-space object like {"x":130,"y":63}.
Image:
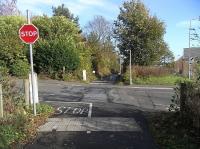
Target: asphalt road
{"x":99,"y":115}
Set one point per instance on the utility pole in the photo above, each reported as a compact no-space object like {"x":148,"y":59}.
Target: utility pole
{"x":120,"y":65}
{"x":189,"y":57}
{"x":130,"y":70}
{"x":189,"y":65}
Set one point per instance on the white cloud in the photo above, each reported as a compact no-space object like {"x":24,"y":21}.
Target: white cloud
{"x":92,"y":2}
{"x":36,"y":2}
{"x":85,"y":9}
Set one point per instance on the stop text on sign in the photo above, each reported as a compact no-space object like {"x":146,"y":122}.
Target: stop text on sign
{"x":29,"y":33}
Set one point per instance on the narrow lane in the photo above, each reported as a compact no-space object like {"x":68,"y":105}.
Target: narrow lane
{"x":117,"y":120}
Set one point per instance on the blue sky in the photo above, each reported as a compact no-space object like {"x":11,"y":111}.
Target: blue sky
{"x":175,"y":13}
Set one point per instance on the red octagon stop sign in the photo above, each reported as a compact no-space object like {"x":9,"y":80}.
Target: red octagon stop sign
{"x":28,"y":33}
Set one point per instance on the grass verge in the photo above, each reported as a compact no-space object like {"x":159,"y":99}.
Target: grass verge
{"x":164,"y":80}
{"x":17,"y":130}
{"x":170,"y":133}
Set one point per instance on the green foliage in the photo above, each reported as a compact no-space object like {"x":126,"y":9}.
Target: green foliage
{"x":98,"y":33}
{"x":107,"y":63}
{"x":57,"y":46}
{"x":197,"y":73}
{"x":152,"y":75}
{"x":52,"y":56}
{"x":138,"y":31}
{"x":175,"y":101}
{"x":165,"y":80}
{"x":20,"y":68}
{"x":44,"y":109}
{"x":167,"y":59}
{"x":12,"y":50}
{"x":8,"y":135}
{"x":64,"y":11}
{"x":170,"y":132}
{"x":85,"y":57}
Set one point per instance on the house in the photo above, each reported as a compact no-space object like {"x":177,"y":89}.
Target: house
{"x":182,"y":64}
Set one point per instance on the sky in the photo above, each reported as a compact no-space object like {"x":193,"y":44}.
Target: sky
{"x":175,"y":13}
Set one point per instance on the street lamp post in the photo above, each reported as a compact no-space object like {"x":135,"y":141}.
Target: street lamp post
{"x":130,"y":70}
{"x":120,"y":65}
{"x":189,"y":58}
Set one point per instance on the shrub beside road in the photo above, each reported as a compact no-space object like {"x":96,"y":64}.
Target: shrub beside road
{"x":179,"y":129}
{"x":18,"y":125}
{"x":170,"y":132}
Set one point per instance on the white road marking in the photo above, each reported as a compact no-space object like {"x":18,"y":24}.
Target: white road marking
{"x":51,"y":94}
{"x":103,"y":83}
{"x":152,"y":88}
{"x":90,"y":111}
{"x":90,"y":105}
{"x":157,"y":104}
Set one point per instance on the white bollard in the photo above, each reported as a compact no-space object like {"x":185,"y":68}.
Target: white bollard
{"x":35,"y":85}
{"x":84,"y":75}
{"x":27,"y":92}
{"x":1,"y":102}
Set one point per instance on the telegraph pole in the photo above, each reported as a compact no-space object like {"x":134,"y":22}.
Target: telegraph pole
{"x":130,"y":70}
{"x":189,"y":65}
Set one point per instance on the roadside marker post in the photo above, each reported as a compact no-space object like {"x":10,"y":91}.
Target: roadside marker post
{"x":1,"y":102}
{"x":29,"y":34}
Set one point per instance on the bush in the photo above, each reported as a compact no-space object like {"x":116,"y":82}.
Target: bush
{"x":11,"y":47}
{"x":151,"y":75}
{"x":187,"y":100}
{"x":70,"y":77}
{"x":57,"y":46}
{"x":147,"y":71}
{"x":44,"y":109}
{"x":20,"y":68}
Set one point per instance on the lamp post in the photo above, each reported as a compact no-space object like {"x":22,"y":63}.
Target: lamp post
{"x":189,"y":57}
{"x":120,"y":65}
{"x":131,"y":82}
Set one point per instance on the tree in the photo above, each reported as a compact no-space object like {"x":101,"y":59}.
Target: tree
{"x":99,"y":37}
{"x":138,"y":31}
{"x":167,"y":59}
{"x":8,"y":7}
{"x":57,"y":46}
{"x":12,"y":50}
{"x":64,"y":11}
{"x":100,"y":28}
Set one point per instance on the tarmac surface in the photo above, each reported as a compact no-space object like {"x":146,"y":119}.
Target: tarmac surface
{"x":99,"y":115}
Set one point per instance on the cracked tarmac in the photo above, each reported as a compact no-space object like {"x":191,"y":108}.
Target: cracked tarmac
{"x":117,"y":116}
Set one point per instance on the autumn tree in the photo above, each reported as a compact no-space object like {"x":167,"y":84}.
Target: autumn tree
{"x":167,"y":59}
{"x":99,"y":37}
{"x":138,"y":31}
{"x":100,"y":28}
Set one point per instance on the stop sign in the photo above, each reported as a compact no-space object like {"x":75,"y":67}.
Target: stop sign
{"x":28,"y":33}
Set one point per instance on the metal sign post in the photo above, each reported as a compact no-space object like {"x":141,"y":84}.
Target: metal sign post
{"x":29,"y":34}
{"x":32,"y":71}
{"x":32,"y":78}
